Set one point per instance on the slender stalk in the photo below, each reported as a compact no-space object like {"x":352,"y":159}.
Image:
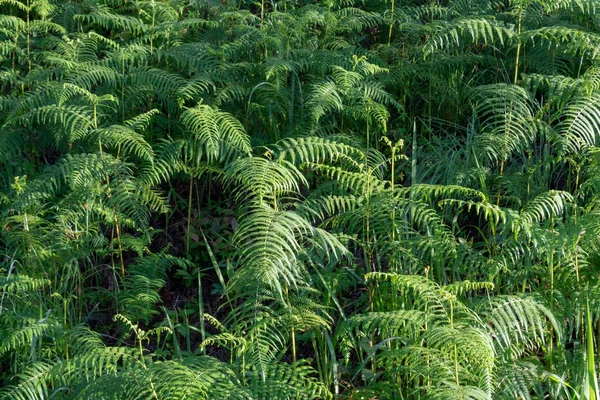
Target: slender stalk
{"x":153,"y":23}
{"x":116,"y":221}
{"x":455,"y":349}
{"x":368,"y":206}
{"x":289,"y":304}
{"x":551,"y":268}
{"x":118,"y":230}
{"x":391,"y":22}
{"x":14,"y":56}
{"x":189,"y":217}
{"x":28,"y":38}
{"x":413,"y":161}
{"x":592,"y":379}
{"x":517,"y":60}
{"x":515,"y":80}
{"x":393,"y":205}
{"x":201,"y":311}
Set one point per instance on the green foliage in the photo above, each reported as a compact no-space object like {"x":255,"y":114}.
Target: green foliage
{"x":303,"y":200}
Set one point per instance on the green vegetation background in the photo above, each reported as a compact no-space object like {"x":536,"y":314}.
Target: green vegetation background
{"x":299,"y":200}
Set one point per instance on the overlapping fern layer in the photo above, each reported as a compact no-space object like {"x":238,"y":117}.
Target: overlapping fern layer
{"x":347,"y":199}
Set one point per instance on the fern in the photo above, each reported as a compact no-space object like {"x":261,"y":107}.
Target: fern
{"x":217,"y":136}
{"x":270,"y":243}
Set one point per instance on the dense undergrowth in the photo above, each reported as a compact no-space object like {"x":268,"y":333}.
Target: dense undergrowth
{"x":295,"y":199}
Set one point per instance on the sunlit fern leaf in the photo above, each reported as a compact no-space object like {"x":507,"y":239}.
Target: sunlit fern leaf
{"x":217,"y":377}
{"x":413,"y":217}
{"x":264,"y":179}
{"x":314,"y":150}
{"x":125,"y":139}
{"x":417,"y":362}
{"x":400,"y":323}
{"x":354,"y":19}
{"x":472,"y":346}
{"x":324,"y":99}
{"x":578,"y":123}
{"x":83,"y":174}
{"x":430,"y":295}
{"x":460,"y":288}
{"x":104,"y":18}
{"x":345,"y":78}
{"x":14,"y":284}
{"x":543,"y":207}
{"x":304,"y":313}
{"x":561,"y":89}
{"x":283,"y":380}
{"x":349,"y":147}
{"x":74,"y":171}
{"x":376,"y":93}
{"x":520,"y":380}
{"x":128,"y":202}
{"x":140,"y":122}
{"x":89,"y":358}
{"x":516,"y":320}
{"x":579,"y":40}
{"x":156,"y":13}
{"x":489,"y":211}
{"x":507,"y":118}
{"x":433,"y":194}
{"x":358,"y":181}
{"x":436,"y":371}
{"x":28,"y":330}
{"x":374,"y":114}
{"x":215,"y":135}
{"x":195,"y":87}
{"x":88,"y":76}
{"x":259,"y":330}
{"x":452,"y":391}
{"x":442,"y":342}
{"x":32,"y":383}
{"x":197,"y":377}
{"x":167,"y":160}
{"x":476,"y":31}
{"x":269,"y":244}
{"x":72,"y":121}
{"x":11,"y":22}
{"x":321,"y":207}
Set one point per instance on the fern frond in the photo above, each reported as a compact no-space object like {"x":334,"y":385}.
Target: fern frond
{"x":542,"y":207}
{"x":216,"y":135}
{"x":314,"y":150}
{"x":515,"y":320}
{"x":103,"y":18}
{"x":269,"y":245}
{"x":579,"y":123}
{"x":507,"y":117}
{"x":119,"y":137}
{"x":476,"y":31}
{"x":265,"y":179}
{"x":287,"y":381}
{"x":142,"y":284}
